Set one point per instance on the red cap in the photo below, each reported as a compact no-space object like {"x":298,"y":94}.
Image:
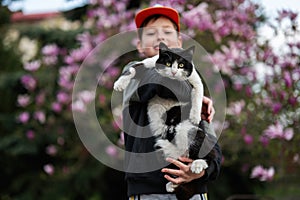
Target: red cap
{"x":157,"y":9}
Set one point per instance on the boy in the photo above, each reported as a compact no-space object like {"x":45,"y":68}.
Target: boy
{"x":158,"y":24}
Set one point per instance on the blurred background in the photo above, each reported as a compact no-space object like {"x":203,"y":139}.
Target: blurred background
{"x":255,"y":45}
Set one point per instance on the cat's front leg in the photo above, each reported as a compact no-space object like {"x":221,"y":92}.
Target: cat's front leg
{"x":124,"y":80}
{"x":197,"y":97}
{"x":195,"y":113}
{"x":170,"y":187}
{"x":198,"y":166}
{"x":150,"y":62}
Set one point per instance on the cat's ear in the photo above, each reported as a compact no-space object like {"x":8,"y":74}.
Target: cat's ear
{"x":191,"y":50}
{"x":163,"y":46}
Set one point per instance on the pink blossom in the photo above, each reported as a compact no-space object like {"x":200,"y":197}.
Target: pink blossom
{"x":30,"y":134}
{"x":115,"y":125}
{"x":56,"y":107}
{"x":292,"y":100}
{"x":111,"y":150}
{"x":249,"y":91}
{"x":276,"y":107}
{"x":263,"y":174}
{"x":198,"y":17}
{"x":66,"y":76}
{"x":248,"y":139}
{"x":113,"y":71}
{"x":288,"y":134}
{"x":296,"y":158}
{"x":264,"y":140}
{"x":63,"y":97}
{"x":121,"y":140}
{"x":78,"y":106}
{"x":23,"y":117}
{"x":274,"y":131}
{"x":50,"y":60}
{"x":32,"y":66}
{"x":50,"y":50}
{"x":23,"y":100}
{"x":219,"y":60}
{"x":60,"y":141}
{"x":287,"y":79}
{"x":51,"y":150}
{"x":40,"y":116}
{"x":77,"y":55}
{"x":236,"y":108}
{"x":86,"y":96}
{"x":40,"y":98}
{"x":93,"y":2}
{"x":49,"y":169}
{"x":28,"y":82}
{"x":102,"y":99}
{"x":287,"y":14}
{"x":277,"y":131}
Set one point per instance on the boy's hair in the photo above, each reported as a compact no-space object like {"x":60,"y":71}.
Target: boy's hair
{"x":154,"y":18}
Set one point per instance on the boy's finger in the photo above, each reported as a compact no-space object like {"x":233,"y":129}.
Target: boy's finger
{"x":174,"y":180}
{"x":176,"y":162}
{"x":174,"y":172}
{"x":185,"y":159}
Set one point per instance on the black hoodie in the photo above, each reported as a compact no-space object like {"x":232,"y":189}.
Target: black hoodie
{"x":143,"y":163}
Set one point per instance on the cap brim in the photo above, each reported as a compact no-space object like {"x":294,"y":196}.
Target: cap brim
{"x":165,"y":11}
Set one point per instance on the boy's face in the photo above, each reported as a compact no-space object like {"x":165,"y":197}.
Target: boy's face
{"x":156,"y":31}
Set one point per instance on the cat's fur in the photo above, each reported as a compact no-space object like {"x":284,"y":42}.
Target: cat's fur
{"x":175,"y":136}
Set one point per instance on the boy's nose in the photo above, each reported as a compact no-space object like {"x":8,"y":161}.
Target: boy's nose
{"x":160,"y":36}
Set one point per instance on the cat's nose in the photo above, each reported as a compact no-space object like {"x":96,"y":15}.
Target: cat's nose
{"x":173,"y":73}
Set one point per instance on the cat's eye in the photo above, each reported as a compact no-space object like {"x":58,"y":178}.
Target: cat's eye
{"x":181,"y":65}
{"x":168,"y":64}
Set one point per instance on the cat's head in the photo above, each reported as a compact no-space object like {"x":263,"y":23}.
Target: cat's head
{"x":175,"y":63}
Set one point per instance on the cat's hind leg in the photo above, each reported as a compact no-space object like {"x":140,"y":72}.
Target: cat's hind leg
{"x":198,"y":166}
{"x":170,"y":187}
{"x":168,"y":148}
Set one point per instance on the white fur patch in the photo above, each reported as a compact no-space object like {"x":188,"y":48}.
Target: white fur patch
{"x":150,"y":62}
{"x":198,"y":166}
{"x":124,"y":80}
{"x":157,"y":107}
{"x":197,"y":97}
{"x":170,"y":187}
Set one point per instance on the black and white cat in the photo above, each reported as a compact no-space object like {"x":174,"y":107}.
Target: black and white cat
{"x":174,"y":64}
{"x":175,"y":136}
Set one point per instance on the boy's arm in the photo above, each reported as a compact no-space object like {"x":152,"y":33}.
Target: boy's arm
{"x":184,"y":174}
{"x":213,"y":152}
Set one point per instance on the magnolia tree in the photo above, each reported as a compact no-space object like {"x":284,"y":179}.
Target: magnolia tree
{"x":262,"y":82}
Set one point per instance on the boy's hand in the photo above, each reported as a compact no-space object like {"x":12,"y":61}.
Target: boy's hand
{"x":184,"y":173}
{"x":208,"y":110}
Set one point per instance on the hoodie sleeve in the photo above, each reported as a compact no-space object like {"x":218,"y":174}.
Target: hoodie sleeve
{"x":214,"y":166}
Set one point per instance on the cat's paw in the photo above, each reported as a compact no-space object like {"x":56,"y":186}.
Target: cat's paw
{"x":120,"y":84}
{"x":195,"y":117}
{"x":124,"y":80}
{"x":198,"y":166}
{"x":170,"y":187}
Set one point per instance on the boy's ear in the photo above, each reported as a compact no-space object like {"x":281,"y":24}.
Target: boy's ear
{"x":179,"y":40}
